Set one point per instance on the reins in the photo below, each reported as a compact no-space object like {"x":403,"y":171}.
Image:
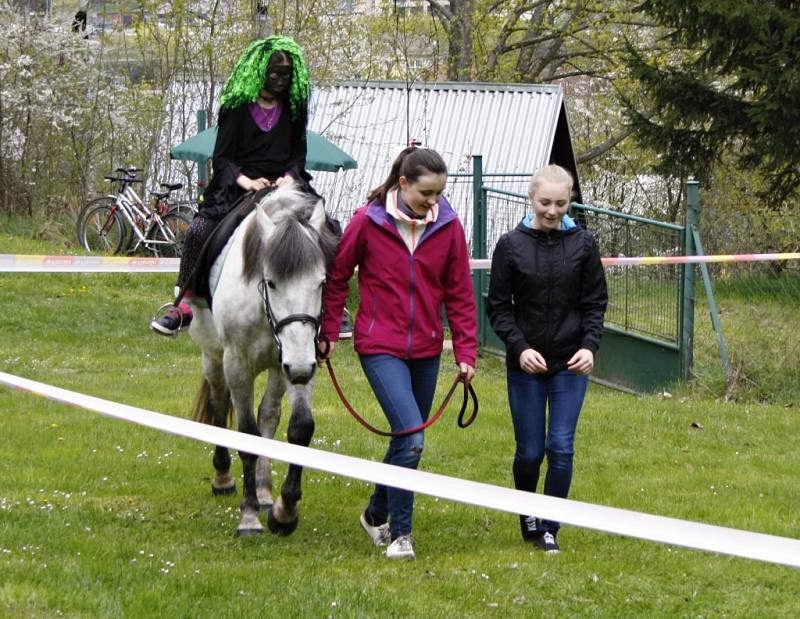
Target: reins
{"x":469,"y":392}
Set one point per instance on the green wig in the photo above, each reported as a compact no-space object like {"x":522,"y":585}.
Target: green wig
{"x":249,"y":75}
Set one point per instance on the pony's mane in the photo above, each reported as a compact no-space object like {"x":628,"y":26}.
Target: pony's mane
{"x":290,"y":249}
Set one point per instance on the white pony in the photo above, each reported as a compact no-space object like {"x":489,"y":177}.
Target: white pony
{"x":266,"y":313}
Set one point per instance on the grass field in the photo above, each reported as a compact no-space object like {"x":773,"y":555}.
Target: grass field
{"x":100,"y":518}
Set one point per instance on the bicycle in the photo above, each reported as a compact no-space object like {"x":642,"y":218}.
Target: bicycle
{"x":121,"y":221}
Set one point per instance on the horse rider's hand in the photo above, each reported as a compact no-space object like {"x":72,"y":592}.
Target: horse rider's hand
{"x":532,"y":362}
{"x":466,"y":371}
{"x":253,"y":184}
{"x":581,"y":362}
{"x":325,"y":349}
{"x":284,"y":180}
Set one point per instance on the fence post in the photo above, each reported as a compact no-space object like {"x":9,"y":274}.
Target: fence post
{"x":687,"y":307}
{"x":478,"y":240}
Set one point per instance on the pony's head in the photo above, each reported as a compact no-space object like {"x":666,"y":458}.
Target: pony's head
{"x":287,"y":249}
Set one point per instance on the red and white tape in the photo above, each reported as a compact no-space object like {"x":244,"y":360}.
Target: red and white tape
{"x":781,"y":550}
{"x":11,"y":263}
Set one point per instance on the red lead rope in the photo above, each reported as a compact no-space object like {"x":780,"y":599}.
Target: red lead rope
{"x":468,"y":391}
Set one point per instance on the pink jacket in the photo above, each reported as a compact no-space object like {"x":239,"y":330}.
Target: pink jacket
{"x":401,"y":294}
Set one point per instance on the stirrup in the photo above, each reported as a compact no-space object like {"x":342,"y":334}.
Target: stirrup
{"x":160,"y":313}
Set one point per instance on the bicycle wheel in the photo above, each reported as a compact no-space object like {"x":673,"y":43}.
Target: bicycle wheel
{"x":100,"y":227}
{"x":170,"y":239}
{"x":185,"y":207}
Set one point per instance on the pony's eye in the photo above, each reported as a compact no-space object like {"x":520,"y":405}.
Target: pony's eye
{"x":271,"y":284}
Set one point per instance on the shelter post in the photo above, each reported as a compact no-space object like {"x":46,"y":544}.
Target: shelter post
{"x":479,"y":239}
{"x":202,"y":172}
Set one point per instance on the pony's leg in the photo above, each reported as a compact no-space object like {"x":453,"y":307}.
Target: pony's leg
{"x":269,"y":414}
{"x":240,"y":384}
{"x":283,"y":516}
{"x":212,"y":406}
{"x":220,"y":399}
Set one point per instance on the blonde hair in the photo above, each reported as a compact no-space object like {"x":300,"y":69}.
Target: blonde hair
{"x":551,"y":174}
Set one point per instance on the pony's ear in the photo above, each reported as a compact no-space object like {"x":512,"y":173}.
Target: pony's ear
{"x":317,"y":219}
{"x":264,"y":221}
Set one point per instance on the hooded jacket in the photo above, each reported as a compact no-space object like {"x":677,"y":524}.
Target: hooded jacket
{"x":401,"y":294}
{"x":547,"y":291}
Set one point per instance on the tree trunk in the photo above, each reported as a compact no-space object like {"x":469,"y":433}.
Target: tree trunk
{"x":460,"y":40}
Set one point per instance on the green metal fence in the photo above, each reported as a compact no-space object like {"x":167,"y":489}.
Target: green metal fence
{"x":649,"y":321}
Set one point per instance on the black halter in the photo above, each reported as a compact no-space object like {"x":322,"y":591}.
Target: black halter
{"x":277,"y":325}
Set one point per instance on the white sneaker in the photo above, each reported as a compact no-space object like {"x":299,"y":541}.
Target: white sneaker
{"x":379,"y":535}
{"x":401,"y":548}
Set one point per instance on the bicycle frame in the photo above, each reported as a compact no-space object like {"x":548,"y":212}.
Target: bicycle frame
{"x":143,"y":222}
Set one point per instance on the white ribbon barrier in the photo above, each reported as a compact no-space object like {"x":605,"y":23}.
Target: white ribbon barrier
{"x":12,"y":263}
{"x":672,"y":531}
{"x":86,"y":264}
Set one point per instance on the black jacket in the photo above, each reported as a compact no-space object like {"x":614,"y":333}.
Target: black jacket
{"x":547,"y":292}
{"x":242,"y":147}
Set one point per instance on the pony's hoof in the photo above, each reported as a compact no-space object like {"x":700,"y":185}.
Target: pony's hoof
{"x":264,"y":507}
{"x":224,"y":490}
{"x":249,"y":532}
{"x":280,"y":528}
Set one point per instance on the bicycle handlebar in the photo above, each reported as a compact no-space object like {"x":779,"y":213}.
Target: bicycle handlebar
{"x":128,"y":171}
{"x":124,"y":179}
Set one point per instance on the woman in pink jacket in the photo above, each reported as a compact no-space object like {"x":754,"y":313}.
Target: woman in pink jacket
{"x":412,"y":259}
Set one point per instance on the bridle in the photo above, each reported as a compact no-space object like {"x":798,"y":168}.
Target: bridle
{"x":277,"y":325}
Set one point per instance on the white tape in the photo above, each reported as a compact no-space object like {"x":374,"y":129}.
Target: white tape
{"x":86,"y":264}
{"x":11,"y":263}
{"x":735,"y":542}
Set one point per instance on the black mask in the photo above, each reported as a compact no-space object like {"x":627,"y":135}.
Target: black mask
{"x":279,"y":75}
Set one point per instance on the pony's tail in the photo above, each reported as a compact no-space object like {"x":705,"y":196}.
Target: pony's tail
{"x":204,"y":412}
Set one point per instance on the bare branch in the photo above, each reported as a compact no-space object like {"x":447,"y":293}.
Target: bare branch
{"x":601,"y":148}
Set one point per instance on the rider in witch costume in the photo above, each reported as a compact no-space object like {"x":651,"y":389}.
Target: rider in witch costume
{"x":261,"y":144}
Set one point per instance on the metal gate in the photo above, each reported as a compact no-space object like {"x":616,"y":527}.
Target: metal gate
{"x":649,"y":322}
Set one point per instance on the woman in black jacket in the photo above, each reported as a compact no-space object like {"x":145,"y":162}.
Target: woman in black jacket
{"x":547,"y":299}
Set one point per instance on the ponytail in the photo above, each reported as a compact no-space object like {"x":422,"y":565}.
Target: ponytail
{"x":412,"y":162}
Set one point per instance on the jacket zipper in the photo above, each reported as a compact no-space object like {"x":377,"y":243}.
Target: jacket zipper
{"x":549,"y":284}
{"x":411,"y":285}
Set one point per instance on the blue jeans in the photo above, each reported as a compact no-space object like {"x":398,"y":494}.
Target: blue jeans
{"x":404,"y":388}
{"x":539,"y":434}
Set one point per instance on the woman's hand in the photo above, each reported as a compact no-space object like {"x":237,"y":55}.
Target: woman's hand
{"x":253,"y":184}
{"x":325,"y":350}
{"x":532,"y":362}
{"x":582,"y":362}
{"x":287,"y":179}
{"x":466,"y":371}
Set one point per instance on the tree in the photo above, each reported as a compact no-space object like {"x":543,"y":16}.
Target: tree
{"x":729,"y":84}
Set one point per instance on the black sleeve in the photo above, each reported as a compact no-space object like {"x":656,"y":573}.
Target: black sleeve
{"x":500,"y":302}
{"x":226,"y":169}
{"x":594,"y":296}
{"x":299,"y":149}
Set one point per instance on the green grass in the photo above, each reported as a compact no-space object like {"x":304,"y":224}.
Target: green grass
{"x":760,"y":323}
{"x":100,"y":518}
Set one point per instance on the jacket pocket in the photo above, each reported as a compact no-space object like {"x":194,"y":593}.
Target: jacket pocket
{"x":373,"y":314}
